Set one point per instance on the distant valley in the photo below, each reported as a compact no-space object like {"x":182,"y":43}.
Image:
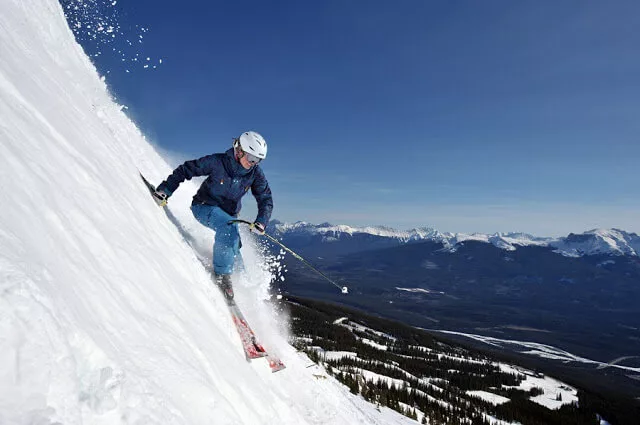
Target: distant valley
{"x":580,"y":294}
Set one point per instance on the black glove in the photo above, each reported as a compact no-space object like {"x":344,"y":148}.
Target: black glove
{"x":257,"y":228}
{"x":160,"y":197}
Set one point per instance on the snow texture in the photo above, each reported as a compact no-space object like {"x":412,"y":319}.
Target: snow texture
{"x":106,"y":314}
{"x":489,"y":397}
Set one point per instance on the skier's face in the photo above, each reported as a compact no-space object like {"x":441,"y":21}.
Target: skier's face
{"x":246,"y":159}
{"x":245,"y":162}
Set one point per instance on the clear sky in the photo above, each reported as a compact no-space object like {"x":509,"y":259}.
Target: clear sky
{"x":461,"y":115}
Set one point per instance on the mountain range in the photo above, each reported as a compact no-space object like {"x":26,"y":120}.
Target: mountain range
{"x":592,"y":242}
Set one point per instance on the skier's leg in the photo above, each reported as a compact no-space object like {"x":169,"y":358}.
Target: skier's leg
{"x":227,"y":239}
{"x":225,"y":247}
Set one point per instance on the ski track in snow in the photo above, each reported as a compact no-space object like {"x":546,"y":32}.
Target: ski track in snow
{"x":106,"y":314}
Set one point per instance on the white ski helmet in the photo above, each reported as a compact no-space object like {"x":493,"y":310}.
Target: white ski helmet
{"x":252,"y":143}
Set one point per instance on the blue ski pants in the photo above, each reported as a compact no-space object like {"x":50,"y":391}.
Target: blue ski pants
{"x":226,"y":246}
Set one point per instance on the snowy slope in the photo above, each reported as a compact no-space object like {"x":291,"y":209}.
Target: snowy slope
{"x":106,"y":315}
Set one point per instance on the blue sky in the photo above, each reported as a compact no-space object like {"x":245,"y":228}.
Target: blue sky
{"x":461,"y":115}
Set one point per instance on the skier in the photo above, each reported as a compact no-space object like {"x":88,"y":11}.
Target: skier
{"x":230,"y":176}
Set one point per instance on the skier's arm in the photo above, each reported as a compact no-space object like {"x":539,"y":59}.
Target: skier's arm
{"x":197,"y":167}
{"x":262,"y":192}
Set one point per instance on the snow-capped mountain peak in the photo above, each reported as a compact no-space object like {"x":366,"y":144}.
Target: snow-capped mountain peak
{"x":599,"y":241}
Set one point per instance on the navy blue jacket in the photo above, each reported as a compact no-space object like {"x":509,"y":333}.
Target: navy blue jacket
{"x":226,"y":184}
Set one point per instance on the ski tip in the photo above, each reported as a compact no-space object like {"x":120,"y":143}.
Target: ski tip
{"x":150,"y":186}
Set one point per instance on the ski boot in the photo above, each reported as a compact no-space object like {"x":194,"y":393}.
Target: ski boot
{"x":224,"y":283}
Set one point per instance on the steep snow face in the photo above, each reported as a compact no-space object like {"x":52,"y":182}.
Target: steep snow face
{"x":106,"y":314}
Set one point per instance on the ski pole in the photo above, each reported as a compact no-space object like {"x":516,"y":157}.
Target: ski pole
{"x":344,"y":289}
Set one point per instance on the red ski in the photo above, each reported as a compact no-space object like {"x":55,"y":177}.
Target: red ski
{"x":252,"y":348}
